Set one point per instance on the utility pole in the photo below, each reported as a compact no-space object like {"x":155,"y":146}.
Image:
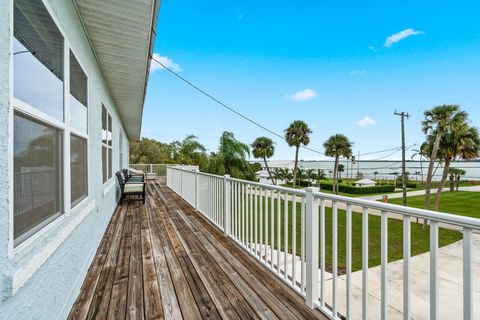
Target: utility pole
{"x":403,"y":115}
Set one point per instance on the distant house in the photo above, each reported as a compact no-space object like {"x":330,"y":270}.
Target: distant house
{"x":365,"y":183}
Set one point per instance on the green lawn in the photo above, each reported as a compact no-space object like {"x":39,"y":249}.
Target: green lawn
{"x":420,"y":238}
{"x":463,"y":203}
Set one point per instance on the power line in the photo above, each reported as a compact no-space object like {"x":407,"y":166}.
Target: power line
{"x":256,"y":123}
{"x":228,"y":107}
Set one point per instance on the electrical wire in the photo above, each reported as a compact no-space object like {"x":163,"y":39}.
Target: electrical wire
{"x":256,"y":123}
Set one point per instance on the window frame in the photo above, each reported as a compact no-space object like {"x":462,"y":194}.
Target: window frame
{"x":17,"y":105}
{"x":121,"y":136}
{"x":72,"y":129}
{"x":108,"y":146}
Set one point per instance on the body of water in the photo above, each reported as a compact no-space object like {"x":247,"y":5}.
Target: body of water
{"x":384,"y":169}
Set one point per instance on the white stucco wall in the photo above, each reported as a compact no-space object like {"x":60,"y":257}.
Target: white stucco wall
{"x":42,"y":280}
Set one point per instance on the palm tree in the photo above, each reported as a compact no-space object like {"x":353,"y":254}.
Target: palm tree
{"x":462,"y":142}
{"x":231,"y":158}
{"x":375,"y":175}
{"x":341,"y":168}
{"x":277,"y":174}
{"x":297,"y":134}
{"x":437,"y":121}
{"x":460,"y":172}
{"x":453,"y":173}
{"x":264,"y":148}
{"x":321,"y":174}
{"x":311,"y":174}
{"x":337,"y":146}
{"x":418,"y":152}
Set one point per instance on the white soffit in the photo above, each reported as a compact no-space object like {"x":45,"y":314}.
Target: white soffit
{"x":121,"y":34}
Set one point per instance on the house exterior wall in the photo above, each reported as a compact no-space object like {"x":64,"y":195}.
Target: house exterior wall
{"x":41,"y":279}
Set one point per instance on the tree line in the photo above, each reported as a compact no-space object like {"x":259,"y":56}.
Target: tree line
{"x":449,"y":136}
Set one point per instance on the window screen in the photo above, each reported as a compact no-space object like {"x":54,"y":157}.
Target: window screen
{"x":38,"y":175}
{"x":78,"y":169}
{"x":78,"y":96}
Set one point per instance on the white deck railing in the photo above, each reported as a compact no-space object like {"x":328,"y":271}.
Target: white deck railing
{"x":268,"y":221}
{"x":159,"y":168}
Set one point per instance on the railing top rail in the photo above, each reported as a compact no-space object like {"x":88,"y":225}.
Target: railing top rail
{"x":271,"y":186}
{"x":443,"y":217}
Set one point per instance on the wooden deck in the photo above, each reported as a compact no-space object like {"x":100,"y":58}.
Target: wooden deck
{"x":164,"y":261}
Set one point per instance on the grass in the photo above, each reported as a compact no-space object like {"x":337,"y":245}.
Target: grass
{"x":465,"y":203}
{"x":419,"y":237}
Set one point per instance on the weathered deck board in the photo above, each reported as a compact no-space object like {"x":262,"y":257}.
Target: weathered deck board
{"x":164,"y":261}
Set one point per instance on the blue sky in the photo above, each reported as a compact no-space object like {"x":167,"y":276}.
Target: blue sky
{"x":329,"y":63}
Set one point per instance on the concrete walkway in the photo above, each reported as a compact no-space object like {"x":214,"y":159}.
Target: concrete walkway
{"x":450,"y":273}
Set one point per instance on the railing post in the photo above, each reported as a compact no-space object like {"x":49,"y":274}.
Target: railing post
{"x":196,"y":190}
{"x":226,"y":204}
{"x":311,"y":250}
{"x":151,"y":168}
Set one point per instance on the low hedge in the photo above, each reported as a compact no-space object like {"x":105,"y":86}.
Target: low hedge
{"x":358,"y":190}
{"x":409,"y":184}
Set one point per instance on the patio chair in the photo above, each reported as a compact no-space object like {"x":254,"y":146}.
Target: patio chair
{"x":130,"y":188}
{"x":132,"y":177}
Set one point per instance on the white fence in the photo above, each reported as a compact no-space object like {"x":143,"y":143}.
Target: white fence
{"x":159,"y":168}
{"x":285,"y":230}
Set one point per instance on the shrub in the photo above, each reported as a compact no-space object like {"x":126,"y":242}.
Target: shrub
{"x":409,"y":184}
{"x":358,"y":190}
{"x":304,"y":183}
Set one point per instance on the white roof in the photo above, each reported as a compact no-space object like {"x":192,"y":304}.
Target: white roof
{"x":121,"y":34}
{"x":365,"y":181}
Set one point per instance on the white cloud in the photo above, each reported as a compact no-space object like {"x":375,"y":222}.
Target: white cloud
{"x":358,"y":72}
{"x":366,"y":122}
{"x":166,"y":61}
{"x":372,"y":48}
{"x":394,"y":38}
{"x":302,"y":95}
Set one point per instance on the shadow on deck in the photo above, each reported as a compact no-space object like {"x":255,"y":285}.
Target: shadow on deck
{"x":163,"y":260}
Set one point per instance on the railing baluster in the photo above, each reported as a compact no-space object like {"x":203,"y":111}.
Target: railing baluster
{"x":237,"y":213}
{"x":279,"y":236}
{"x":384,"y":259}
{"x":265,"y":211}
{"x":311,"y":242}
{"x":272,"y":226}
{"x":322,"y":253}
{"x":302,"y":244}
{"x":467,"y":275}
{"x":406,"y":267}
{"x":349,"y":261}
{"x":242,"y":215}
{"x":364,"y":263}
{"x":294,"y":239}
{"x":334,"y":257}
{"x":285,"y":230}
{"x":255,"y":200}
{"x":250,"y":217}
{"x":433,"y":270}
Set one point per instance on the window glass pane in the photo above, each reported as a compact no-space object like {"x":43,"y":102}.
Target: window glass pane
{"x":78,"y":169}
{"x":120,"y":153}
{"x":109,"y":137}
{"x":38,"y":176}
{"x":78,"y":96}
{"x":104,"y":124}
{"x":109,"y":163}
{"x":38,"y":58}
{"x":104,"y":164}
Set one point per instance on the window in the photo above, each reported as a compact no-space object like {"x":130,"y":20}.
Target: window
{"x":120,"y":151}
{"x":38,"y":175}
{"x":78,"y":96}
{"x":78,"y":169}
{"x":106,"y":144}
{"x":38,"y":58}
